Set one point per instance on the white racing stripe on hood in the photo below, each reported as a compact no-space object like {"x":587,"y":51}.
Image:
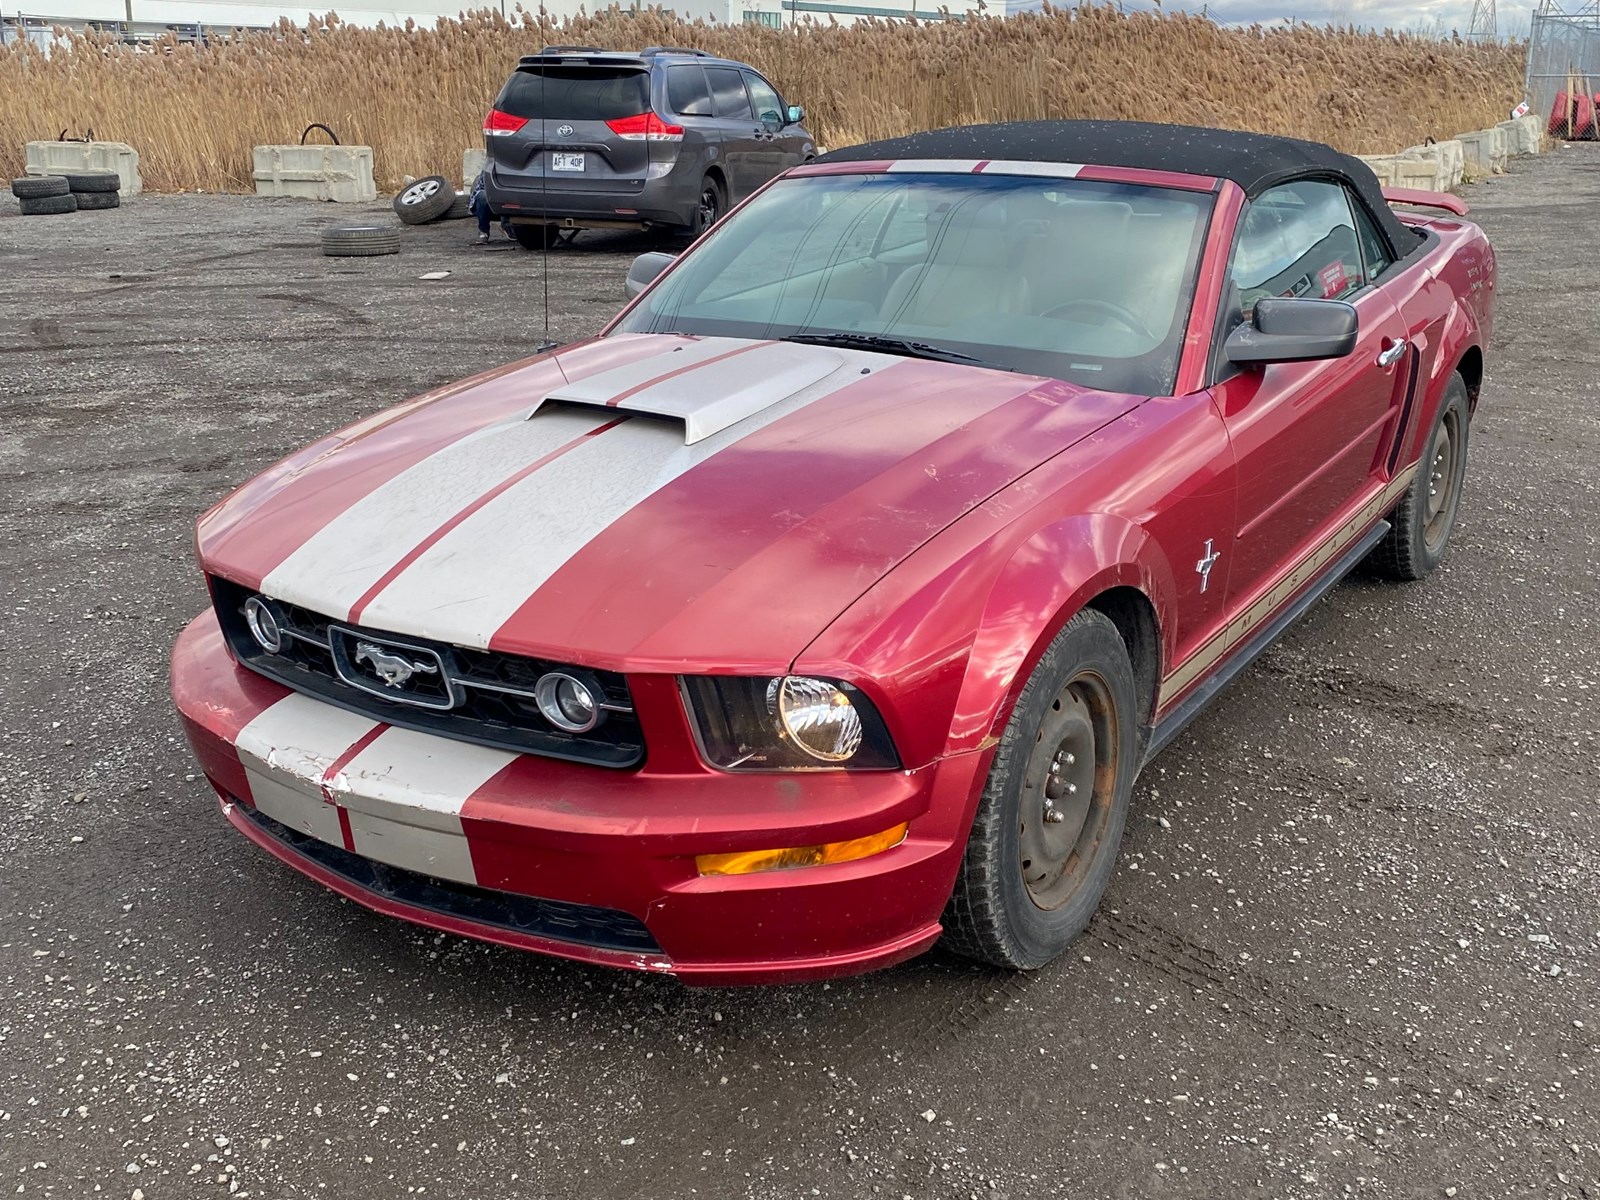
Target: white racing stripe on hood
{"x":468,"y":584}
{"x":337,"y":564}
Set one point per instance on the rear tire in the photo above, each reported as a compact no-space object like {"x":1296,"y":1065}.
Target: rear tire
{"x":709,"y":208}
{"x":49,"y":206}
{"x":536,"y":237}
{"x":425,"y":200}
{"x":1421,"y":524}
{"x":1044,"y":843}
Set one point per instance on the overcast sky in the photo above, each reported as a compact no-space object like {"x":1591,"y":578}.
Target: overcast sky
{"x":1431,"y":15}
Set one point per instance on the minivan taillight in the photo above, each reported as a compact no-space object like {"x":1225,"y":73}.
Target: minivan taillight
{"x":502,"y":124}
{"x":646,"y":127}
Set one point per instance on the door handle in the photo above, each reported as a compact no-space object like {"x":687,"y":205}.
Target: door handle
{"x":1389,"y":357}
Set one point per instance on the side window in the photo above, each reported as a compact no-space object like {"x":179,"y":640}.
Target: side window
{"x":728,"y":97}
{"x":769,"y":108}
{"x":1374,"y":250}
{"x":1296,"y":240}
{"x":687,"y":93}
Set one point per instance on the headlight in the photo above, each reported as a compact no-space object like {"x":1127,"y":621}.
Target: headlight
{"x":568,"y":702}
{"x":793,"y":723}
{"x":263,"y":623}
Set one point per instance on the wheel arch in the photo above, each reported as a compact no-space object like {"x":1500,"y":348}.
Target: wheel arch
{"x":1470,"y":367}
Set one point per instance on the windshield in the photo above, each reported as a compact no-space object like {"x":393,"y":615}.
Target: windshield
{"x":1084,"y":281}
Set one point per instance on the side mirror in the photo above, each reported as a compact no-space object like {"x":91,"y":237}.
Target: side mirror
{"x":643,"y":270}
{"x":795,"y":114}
{"x":1294,"y":331}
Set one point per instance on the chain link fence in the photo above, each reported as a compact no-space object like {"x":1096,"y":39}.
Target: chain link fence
{"x":1564,"y":69}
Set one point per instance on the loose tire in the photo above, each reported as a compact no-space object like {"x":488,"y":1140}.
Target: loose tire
{"x":425,"y":200}
{"x":460,"y":208}
{"x":94,"y":200}
{"x":49,"y":206}
{"x":536,"y":237}
{"x":1421,"y":524}
{"x":92,"y":182}
{"x":39,"y":187}
{"x":360,"y":241}
{"x":1044,"y":842}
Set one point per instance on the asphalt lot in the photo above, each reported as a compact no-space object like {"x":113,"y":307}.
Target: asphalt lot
{"x":1352,"y":946}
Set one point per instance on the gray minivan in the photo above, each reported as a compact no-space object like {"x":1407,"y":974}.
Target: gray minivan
{"x":582,"y":138}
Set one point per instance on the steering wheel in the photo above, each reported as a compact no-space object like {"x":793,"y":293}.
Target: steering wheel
{"x":1116,"y":312}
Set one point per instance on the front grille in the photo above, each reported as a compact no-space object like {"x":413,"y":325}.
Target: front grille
{"x":559,"y":920}
{"x":472,"y":695}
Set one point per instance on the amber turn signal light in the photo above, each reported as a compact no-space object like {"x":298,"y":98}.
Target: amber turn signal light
{"x":748,"y":862}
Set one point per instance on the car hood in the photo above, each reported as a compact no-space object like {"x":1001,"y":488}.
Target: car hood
{"x":642,"y":502}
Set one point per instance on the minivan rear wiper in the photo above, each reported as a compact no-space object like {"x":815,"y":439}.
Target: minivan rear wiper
{"x":892,"y":345}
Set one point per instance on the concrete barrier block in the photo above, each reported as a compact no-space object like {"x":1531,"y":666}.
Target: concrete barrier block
{"x":472,"y":161}
{"x":49,"y":158}
{"x":1523,"y":135}
{"x":1485,"y":151}
{"x":1449,"y":156}
{"x":1383,"y":166}
{"x":339,"y":173}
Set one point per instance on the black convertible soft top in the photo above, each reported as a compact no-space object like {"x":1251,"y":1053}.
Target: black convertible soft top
{"x":1254,"y":161}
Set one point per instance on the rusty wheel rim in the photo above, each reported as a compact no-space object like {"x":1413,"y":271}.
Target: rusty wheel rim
{"x":1067,"y":790}
{"x":1444,"y":478}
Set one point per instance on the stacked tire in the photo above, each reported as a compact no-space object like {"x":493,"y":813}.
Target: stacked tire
{"x":70,"y":191}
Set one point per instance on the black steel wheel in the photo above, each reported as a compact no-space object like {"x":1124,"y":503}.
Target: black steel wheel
{"x":1044,"y":842}
{"x":1421,"y":524}
{"x":424,"y":200}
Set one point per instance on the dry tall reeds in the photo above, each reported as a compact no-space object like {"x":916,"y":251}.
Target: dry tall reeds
{"x":418,"y":96}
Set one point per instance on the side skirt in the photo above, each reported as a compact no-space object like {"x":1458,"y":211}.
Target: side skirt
{"x":1190,"y":707}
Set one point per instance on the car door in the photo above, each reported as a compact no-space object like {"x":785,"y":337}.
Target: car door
{"x":742,"y":148}
{"x":781,"y":140}
{"x":1309,"y":438}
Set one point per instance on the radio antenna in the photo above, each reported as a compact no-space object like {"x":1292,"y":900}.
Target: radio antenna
{"x":544,"y":173}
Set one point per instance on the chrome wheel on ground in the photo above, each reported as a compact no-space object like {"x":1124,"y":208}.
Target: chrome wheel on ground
{"x":425,"y":200}
{"x":1044,"y":840}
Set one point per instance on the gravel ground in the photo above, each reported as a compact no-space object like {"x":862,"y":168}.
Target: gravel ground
{"x":1351,"y":947}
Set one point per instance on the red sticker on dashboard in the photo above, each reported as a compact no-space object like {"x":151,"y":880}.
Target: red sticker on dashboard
{"x":1333,"y":279}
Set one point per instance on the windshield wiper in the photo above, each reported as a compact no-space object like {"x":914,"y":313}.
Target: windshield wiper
{"x":892,"y":345}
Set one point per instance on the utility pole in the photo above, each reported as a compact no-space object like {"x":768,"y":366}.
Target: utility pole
{"x":1483,"y":26}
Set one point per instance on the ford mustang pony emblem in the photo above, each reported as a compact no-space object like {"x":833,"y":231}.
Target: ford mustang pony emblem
{"x":393,"y":669}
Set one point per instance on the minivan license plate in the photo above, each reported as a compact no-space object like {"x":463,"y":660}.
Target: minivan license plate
{"x":562,"y":161}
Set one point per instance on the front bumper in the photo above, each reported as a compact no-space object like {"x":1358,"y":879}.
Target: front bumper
{"x":568,"y":859}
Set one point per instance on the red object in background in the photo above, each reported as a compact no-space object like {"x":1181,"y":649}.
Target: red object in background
{"x":1572,"y":117}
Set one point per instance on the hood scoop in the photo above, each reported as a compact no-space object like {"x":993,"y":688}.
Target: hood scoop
{"x":710,"y":384}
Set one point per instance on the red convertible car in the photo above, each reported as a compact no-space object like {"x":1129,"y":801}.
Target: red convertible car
{"x":827,"y":604}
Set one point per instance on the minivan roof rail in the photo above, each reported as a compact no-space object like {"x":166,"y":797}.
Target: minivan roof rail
{"x":572,"y":50}
{"x":652,"y":51}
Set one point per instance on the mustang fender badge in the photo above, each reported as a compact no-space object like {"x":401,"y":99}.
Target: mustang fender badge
{"x":393,"y":669}
{"x":1205,"y":564}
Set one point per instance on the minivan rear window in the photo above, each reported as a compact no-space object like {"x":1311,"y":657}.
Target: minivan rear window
{"x":576,"y":93}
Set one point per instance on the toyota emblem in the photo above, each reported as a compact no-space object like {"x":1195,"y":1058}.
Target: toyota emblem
{"x":564,"y":130}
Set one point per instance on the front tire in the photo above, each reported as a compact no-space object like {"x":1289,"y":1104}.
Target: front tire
{"x":1421,"y":524}
{"x":1044,"y":842}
